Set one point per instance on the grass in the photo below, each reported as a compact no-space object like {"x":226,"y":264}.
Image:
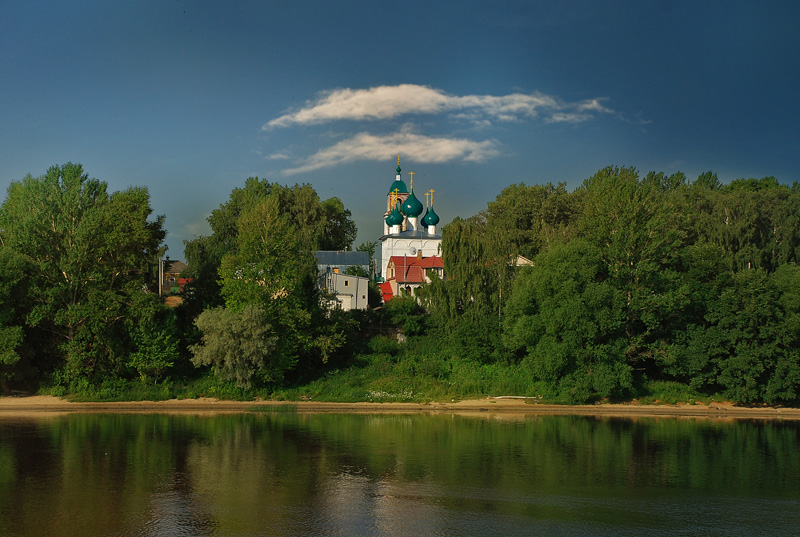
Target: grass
{"x":671,"y":392}
{"x":389,"y":372}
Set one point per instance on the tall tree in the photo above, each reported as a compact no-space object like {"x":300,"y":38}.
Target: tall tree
{"x":566,"y":319}
{"x":526,"y":220}
{"x":91,"y":252}
{"x":13,"y":271}
{"x":318,"y":225}
{"x":640,"y":232}
{"x":269,"y":265}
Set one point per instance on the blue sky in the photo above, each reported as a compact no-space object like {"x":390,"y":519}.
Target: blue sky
{"x":191,"y":98}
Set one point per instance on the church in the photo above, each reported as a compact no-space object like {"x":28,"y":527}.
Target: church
{"x":410,"y":246}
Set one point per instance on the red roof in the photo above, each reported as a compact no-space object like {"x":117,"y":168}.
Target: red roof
{"x":386,"y":291}
{"x":431,"y":262}
{"x":412,"y":269}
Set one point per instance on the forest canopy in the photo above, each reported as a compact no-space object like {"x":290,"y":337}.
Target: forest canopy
{"x":598,"y":293}
{"x":634,"y":279}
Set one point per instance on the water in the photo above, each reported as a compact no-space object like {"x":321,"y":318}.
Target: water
{"x":287,"y":474}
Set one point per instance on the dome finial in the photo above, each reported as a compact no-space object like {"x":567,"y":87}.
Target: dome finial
{"x":412,"y":180}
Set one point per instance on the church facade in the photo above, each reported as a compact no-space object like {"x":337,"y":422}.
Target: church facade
{"x":410,"y":245}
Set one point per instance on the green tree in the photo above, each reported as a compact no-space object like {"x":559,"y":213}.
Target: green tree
{"x":755,"y":222}
{"x":466,"y":307}
{"x":640,"y":229}
{"x":747,"y":346}
{"x":240,"y":346}
{"x":270,"y":266}
{"x":526,"y":220}
{"x":369,"y":247}
{"x":566,"y":320}
{"x":318,"y":225}
{"x":92,"y":252}
{"x":13,"y":271}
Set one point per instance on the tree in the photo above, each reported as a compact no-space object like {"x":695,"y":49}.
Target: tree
{"x":239,"y":345}
{"x":747,"y":345}
{"x":369,"y":247}
{"x":90,"y":253}
{"x":526,"y":220}
{"x":13,"y":271}
{"x":318,"y":225}
{"x":755,"y":222}
{"x":640,"y":230}
{"x":566,"y":320}
{"x":270,"y":266}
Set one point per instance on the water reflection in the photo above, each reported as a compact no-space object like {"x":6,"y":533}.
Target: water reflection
{"x":291,"y":474}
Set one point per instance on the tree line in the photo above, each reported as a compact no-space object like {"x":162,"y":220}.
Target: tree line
{"x":78,"y":275}
{"x":634,"y":280}
{"x":594,"y":293}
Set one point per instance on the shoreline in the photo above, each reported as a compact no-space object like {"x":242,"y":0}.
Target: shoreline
{"x":44,"y":404}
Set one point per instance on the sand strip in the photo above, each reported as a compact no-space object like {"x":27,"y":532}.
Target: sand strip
{"x":486,"y":406}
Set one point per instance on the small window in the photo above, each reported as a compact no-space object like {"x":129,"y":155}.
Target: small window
{"x":346,"y":283}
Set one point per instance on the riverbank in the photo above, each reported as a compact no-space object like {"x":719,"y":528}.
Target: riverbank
{"x":490,"y":405}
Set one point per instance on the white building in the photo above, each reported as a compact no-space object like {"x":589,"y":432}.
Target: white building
{"x":340,"y":290}
{"x":406,"y":231}
{"x":344,"y":291}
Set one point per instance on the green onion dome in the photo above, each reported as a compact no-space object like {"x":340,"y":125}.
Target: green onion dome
{"x":398,"y":186}
{"x":394,"y":218}
{"x":430,"y":218}
{"x":412,"y":207}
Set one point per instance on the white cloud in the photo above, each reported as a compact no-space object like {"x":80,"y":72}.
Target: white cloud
{"x":382,"y":102}
{"x":420,"y":148}
{"x":280,"y":155}
{"x":386,"y":102}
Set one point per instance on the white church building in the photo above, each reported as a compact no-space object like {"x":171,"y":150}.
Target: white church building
{"x":410,"y":246}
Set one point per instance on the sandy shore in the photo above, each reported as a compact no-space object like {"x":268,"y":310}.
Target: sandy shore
{"x":488,"y":406}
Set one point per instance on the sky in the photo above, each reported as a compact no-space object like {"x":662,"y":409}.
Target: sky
{"x":191,"y":98}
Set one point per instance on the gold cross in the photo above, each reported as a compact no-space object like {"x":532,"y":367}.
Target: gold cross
{"x":431,"y":191}
{"x":398,"y":160}
{"x":412,"y":179}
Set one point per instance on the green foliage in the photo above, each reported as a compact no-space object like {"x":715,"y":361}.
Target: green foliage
{"x":524,"y":220}
{"x":369,"y":247}
{"x":652,"y":287}
{"x":567,"y":320}
{"x":747,"y":348}
{"x":13,"y":283}
{"x":636,"y":280}
{"x":317,"y":225}
{"x":90,"y":253}
{"x":156,"y":352}
{"x":639,"y":231}
{"x":240,"y":345}
{"x":406,"y":313}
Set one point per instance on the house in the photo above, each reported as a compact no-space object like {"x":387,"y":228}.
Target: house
{"x":339,"y":261}
{"x":344,"y":291}
{"x":406,"y":274}
{"x":169,"y":276}
{"x":339,"y":286}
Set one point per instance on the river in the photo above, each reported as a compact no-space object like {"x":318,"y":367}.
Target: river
{"x":294,"y":474}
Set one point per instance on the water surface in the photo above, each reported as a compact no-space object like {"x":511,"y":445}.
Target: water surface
{"x":288,"y":474}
